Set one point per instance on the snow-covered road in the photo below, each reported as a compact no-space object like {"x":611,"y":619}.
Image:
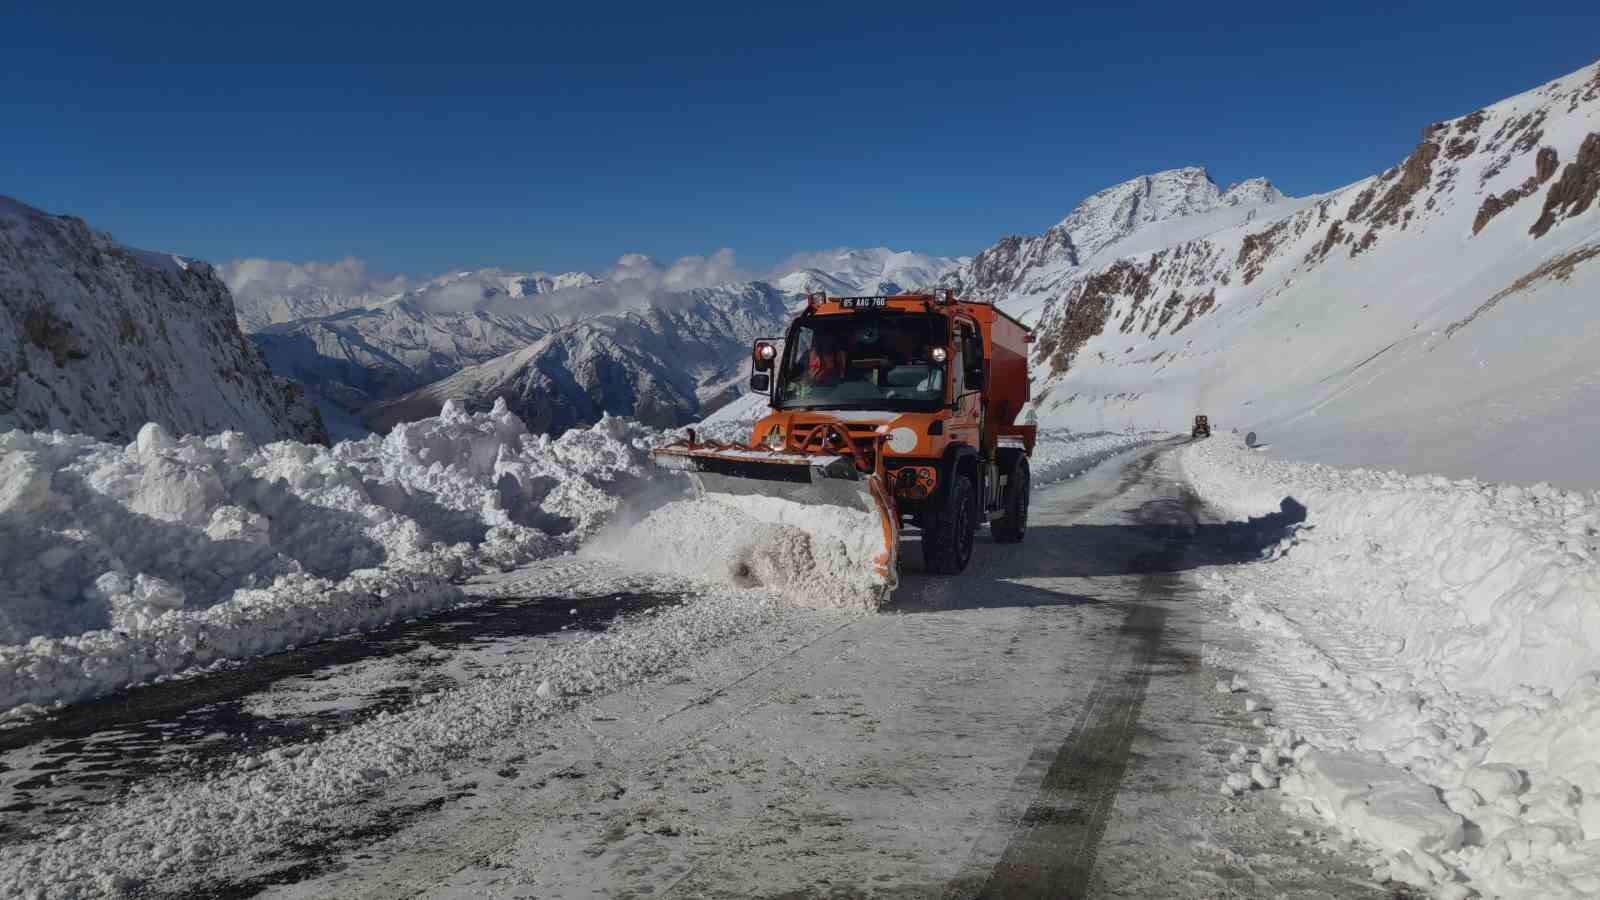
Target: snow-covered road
{"x":1041,"y":725}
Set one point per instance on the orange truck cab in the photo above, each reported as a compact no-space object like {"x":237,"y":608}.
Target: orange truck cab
{"x":919,"y":393}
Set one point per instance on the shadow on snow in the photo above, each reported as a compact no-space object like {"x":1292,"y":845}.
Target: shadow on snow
{"x":1164,"y":536}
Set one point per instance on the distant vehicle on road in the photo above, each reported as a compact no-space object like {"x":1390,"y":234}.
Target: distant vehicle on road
{"x":1202,"y":427}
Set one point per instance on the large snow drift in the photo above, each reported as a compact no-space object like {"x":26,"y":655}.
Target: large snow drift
{"x":1437,"y":642}
{"x":122,"y":563}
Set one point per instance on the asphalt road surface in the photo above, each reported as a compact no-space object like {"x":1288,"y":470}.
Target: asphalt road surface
{"x":1042,"y":725}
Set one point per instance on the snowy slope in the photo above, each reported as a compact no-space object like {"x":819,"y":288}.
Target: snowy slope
{"x":874,"y":270}
{"x":99,"y":338}
{"x":661,"y":364}
{"x":1435,"y":317}
{"x":1022,"y":273}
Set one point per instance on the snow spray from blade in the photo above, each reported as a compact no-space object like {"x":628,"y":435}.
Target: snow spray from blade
{"x":815,"y":556}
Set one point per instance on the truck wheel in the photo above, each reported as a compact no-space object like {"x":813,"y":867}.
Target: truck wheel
{"x":1010,"y":528}
{"x":947,"y":541}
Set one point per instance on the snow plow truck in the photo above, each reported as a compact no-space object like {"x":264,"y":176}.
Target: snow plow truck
{"x":900,"y":406}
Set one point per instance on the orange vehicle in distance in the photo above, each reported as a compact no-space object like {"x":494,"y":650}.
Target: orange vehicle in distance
{"x":902,"y":405}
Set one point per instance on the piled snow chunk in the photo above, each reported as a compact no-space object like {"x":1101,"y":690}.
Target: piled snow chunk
{"x":1457,"y":622}
{"x":1376,"y":800}
{"x":119,"y":564}
{"x":812,"y":555}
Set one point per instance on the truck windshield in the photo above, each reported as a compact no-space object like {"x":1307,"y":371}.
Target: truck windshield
{"x":864,"y":361}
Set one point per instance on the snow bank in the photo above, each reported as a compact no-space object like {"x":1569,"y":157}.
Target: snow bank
{"x":121,"y":564}
{"x":1435,"y":643}
{"x":1488,"y":584}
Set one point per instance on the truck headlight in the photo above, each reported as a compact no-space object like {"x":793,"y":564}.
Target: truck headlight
{"x":774,"y":438}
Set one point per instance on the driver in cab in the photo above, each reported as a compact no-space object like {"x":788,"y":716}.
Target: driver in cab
{"x":826,"y":362}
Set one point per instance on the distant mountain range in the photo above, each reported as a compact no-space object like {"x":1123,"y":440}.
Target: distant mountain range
{"x":877,"y":270}
{"x":559,"y":347}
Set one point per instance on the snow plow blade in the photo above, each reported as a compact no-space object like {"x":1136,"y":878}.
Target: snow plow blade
{"x":729,"y":474}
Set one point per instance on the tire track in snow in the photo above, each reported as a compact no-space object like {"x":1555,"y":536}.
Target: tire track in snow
{"x":1051,"y":851}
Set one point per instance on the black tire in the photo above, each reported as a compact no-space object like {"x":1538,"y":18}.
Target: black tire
{"x":1010,"y":528}
{"x":948,"y":538}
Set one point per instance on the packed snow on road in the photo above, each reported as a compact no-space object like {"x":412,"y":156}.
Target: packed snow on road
{"x":242,"y":550}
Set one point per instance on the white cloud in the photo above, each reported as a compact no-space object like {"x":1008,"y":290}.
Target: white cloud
{"x":266,"y":277}
{"x":704,"y":271}
{"x":632,"y":282}
{"x":636,"y":280}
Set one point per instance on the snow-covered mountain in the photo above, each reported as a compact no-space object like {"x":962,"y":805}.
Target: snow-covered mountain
{"x":99,"y":338}
{"x":665,"y":364}
{"x":1438,"y":316}
{"x":1022,"y":272}
{"x":265,"y":297}
{"x":359,"y":356}
{"x":259,"y":309}
{"x":877,"y":270}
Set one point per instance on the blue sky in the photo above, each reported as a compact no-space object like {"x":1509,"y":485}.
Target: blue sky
{"x":427,"y":137}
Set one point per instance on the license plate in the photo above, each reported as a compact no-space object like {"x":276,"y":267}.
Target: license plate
{"x":863,"y":302}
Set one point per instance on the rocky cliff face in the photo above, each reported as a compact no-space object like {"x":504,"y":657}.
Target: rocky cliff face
{"x":99,"y":338}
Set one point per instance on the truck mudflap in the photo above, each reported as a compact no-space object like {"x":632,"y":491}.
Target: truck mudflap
{"x":808,"y":479}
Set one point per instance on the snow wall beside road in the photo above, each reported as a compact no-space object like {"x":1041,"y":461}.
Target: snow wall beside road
{"x":123,"y":563}
{"x":1488,"y":584}
{"x":1454,"y":630}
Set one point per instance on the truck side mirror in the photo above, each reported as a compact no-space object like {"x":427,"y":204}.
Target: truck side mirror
{"x":760,"y":382}
{"x":762,"y":355}
{"x":974,"y":374}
